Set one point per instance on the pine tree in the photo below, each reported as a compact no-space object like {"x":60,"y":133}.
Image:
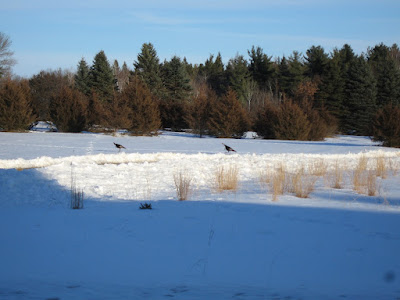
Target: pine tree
{"x":147,"y":67}
{"x":15,"y":105}
{"x":176,"y":94}
{"x":214,"y":72}
{"x":316,"y":62}
{"x":387,"y":75}
{"x":296,"y":69}
{"x":331,"y":90}
{"x":101,"y":76}
{"x":360,"y":104}
{"x":238,"y":77}
{"x":261,"y":68}
{"x":82,"y":81}
{"x":285,"y":78}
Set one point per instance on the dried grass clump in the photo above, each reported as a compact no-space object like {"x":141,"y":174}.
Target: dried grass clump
{"x":359,"y":175}
{"x":278,"y":182}
{"x":183,"y":185}
{"x":302,"y":184}
{"x":381,"y":169}
{"x":336,"y":177}
{"x":317,"y":167}
{"x":227,"y":178}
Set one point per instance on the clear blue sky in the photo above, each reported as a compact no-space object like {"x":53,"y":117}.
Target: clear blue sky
{"x":48,"y":34}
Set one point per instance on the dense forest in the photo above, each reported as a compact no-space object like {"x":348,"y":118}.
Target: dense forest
{"x":303,"y":96}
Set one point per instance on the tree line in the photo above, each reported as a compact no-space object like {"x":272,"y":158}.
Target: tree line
{"x":305,"y":97}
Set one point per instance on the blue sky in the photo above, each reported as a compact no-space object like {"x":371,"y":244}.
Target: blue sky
{"x":48,"y":34}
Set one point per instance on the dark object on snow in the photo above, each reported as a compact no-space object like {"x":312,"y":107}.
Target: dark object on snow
{"x":119,"y":146}
{"x":145,"y":206}
{"x":228,"y":148}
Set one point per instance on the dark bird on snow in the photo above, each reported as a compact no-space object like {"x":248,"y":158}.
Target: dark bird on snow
{"x":228,"y":148}
{"x":119,"y":146}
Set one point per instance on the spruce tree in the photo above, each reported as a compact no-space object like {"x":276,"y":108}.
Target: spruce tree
{"x":214,"y":71}
{"x":316,"y":62}
{"x":101,"y":76}
{"x":331,"y":90}
{"x":238,"y":77}
{"x":360,"y":104}
{"x":285,"y":78}
{"x":147,"y":67}
{"x":261,"y":68}
{"x":296,"y":69}
{"x":175,"y":80}
{"x":386,"y":73}
{"x":82,"y":81}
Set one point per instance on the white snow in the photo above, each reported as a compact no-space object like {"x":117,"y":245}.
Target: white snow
{"x":337,"y":244}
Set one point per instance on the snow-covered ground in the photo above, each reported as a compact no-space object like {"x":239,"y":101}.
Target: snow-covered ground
{"x":336,"y":244}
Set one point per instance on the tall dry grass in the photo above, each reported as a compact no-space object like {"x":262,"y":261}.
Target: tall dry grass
{"x":227,"y":178}
{"x":183,"y":185}
{"x":278,"y":182}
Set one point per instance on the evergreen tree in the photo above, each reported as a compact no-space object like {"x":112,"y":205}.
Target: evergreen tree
{"x":261,"y":68}
{"x":68,"y":110}
{"x":43,"y":86}
{"x":238,"y":77}
{"x":285,"y":78}
{"x":214,"y":73}
{"x":296,"y":69}
{"x":199,"y":110}
{"x":176,"y":94}
{"x":331,"y":90}
{"x":386,"y":126}
{"x":360,"y":104}
{"x":96,"y":112}
{"x":147,"y":67}
{"x":82,"y":81}
{"x":387,"y":75}
{"x":145,"y":118}
{"x":175,"y":80}
{"x":101,"y":76}
{"x":228,"y":117}
{"x":316,"y":62}
{"x":15,"y":105}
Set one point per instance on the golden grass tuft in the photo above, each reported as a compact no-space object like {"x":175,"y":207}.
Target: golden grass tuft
{"x":227,"y":178}
{"x":278,"y":182}
{"x":303,"y":184}
{"x":183,"y":185}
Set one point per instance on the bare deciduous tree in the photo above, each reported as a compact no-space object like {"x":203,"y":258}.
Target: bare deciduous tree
{"x":6,"y":59}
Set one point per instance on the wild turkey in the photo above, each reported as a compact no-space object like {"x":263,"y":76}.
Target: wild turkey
{"x":119,"y":146}
{"x":229,"y":149}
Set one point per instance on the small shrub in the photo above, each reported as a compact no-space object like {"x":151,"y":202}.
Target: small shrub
{"x":145,"y":206}
{"x":227,"y":178}
{"x":183,"y":185}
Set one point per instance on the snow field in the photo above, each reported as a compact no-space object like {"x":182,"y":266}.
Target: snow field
{"x":339,"y":243}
